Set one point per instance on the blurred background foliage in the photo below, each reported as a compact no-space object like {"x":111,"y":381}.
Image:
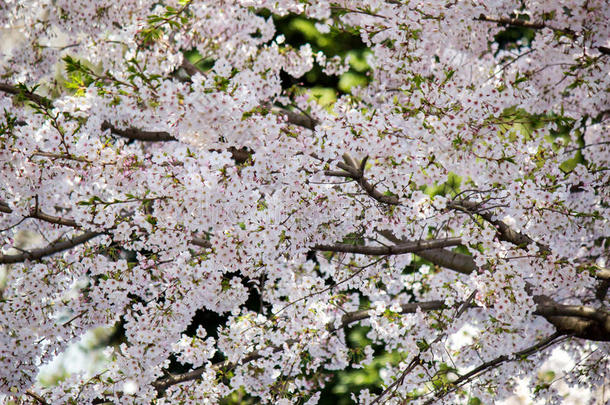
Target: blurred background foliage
{"x":298,"y":31}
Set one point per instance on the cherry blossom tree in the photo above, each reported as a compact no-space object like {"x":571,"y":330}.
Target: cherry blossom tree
{"x":160,"y":187}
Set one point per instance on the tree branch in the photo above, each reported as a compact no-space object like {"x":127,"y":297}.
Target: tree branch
{"x":355,"y":171}
{"x":5,"y":208}
{"x":409,"y":308}
{"x":603,"y":274}
{"x":542,"y":345}
{"x":48,"y":250}
{"x":28,"y":95}
{"x":550,"y":308}
{"x":37,"y":397}
{"x":405,"y":247}
{"x":577,"y":320}
{"x":459,"y":262}
{"x":138,"y":134}
{"x":295,"y":118}
{"x":201,"y":242}
{"x":602,"y":289}
{"x":38,"y":214}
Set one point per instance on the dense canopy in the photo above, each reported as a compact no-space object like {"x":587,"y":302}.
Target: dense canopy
{"x":168,"y":169}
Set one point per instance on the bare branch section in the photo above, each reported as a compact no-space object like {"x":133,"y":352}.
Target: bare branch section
{"x":577,"y":320}
{"x":5,"y":208}
{"x":204,"y":243}
{"x":36,"y":397}
{"x":28,"y":95}
{"x":295,"y":118}
{"x":458,"y":262}
{"x":138,"y":134}
{"x":603,"y":274}
{"x":38,"y":214}
{"x":409,"y":247}
{"x":441,"y":257}
{"x":48,"y":250}
{"x":355,"y":171}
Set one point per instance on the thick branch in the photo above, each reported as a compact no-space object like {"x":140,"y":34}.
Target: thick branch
{"x":603,"y":274}
{"x":295,"y":118}
{"x":408,"y":247}
{"x":5,"y":208}
{"x":37,"y":397}
{"x":602,"y":289}
{"x":48,"y":250}
{"x":550,"y":308}
{"x":451,"y":260}
{"x":444,"y":258}
{"x":578,"y":320}
{"x":53,"y":219}
{"x":201,"y":242}
{"x":138,"y":134}
{"x":38,"y":214}
{"x":28,"y":95}
{"x":355,"y":171}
